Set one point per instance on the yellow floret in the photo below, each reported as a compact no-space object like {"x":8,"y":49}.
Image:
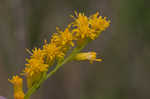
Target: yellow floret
{"x":36,"y":63}
{"x":33,"y":70}
{"x":35,"y":66}
{"x":81,"y":26}
{"x":98,"y":24}
{"x":18,"y":87}
{"x":63,"y":39}
{"x":38,"y":53}
{"x":16,"y":80}
{"x":89,"y":27}
{"x":52,"y":51}
{"x":91,"y":56}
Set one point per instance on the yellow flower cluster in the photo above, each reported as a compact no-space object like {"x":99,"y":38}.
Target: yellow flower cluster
{"x":80,"y":30}
{"x":89,"y":27}
{"x":18,"y":87}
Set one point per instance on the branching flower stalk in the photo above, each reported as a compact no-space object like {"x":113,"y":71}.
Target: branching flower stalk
{"x":78,"y":33}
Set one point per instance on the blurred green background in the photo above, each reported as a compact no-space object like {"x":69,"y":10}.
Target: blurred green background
{"x":125,"y":47}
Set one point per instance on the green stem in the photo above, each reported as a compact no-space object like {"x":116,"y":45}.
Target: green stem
{"x":45,"y":77}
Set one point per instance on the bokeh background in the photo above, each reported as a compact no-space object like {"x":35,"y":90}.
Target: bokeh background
{"x":125,"y":47}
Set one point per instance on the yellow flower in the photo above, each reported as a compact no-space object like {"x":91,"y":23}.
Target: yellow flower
{"x":38,"y":53}
{"x":16,"y":80}
{"x":18,"y":87}
{"x":36,"y":63}
{"x":63,"y":39}
{"x":52,"y":52}
{"x":91,"y":56}
{"x":35,"y":66}
{"x":98,"y":24}
{"x":81,"y":26}
{"x":89,"y":27}
{"x":34,"y":69}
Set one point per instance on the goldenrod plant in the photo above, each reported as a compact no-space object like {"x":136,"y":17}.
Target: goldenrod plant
{"x":55,"y":53}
